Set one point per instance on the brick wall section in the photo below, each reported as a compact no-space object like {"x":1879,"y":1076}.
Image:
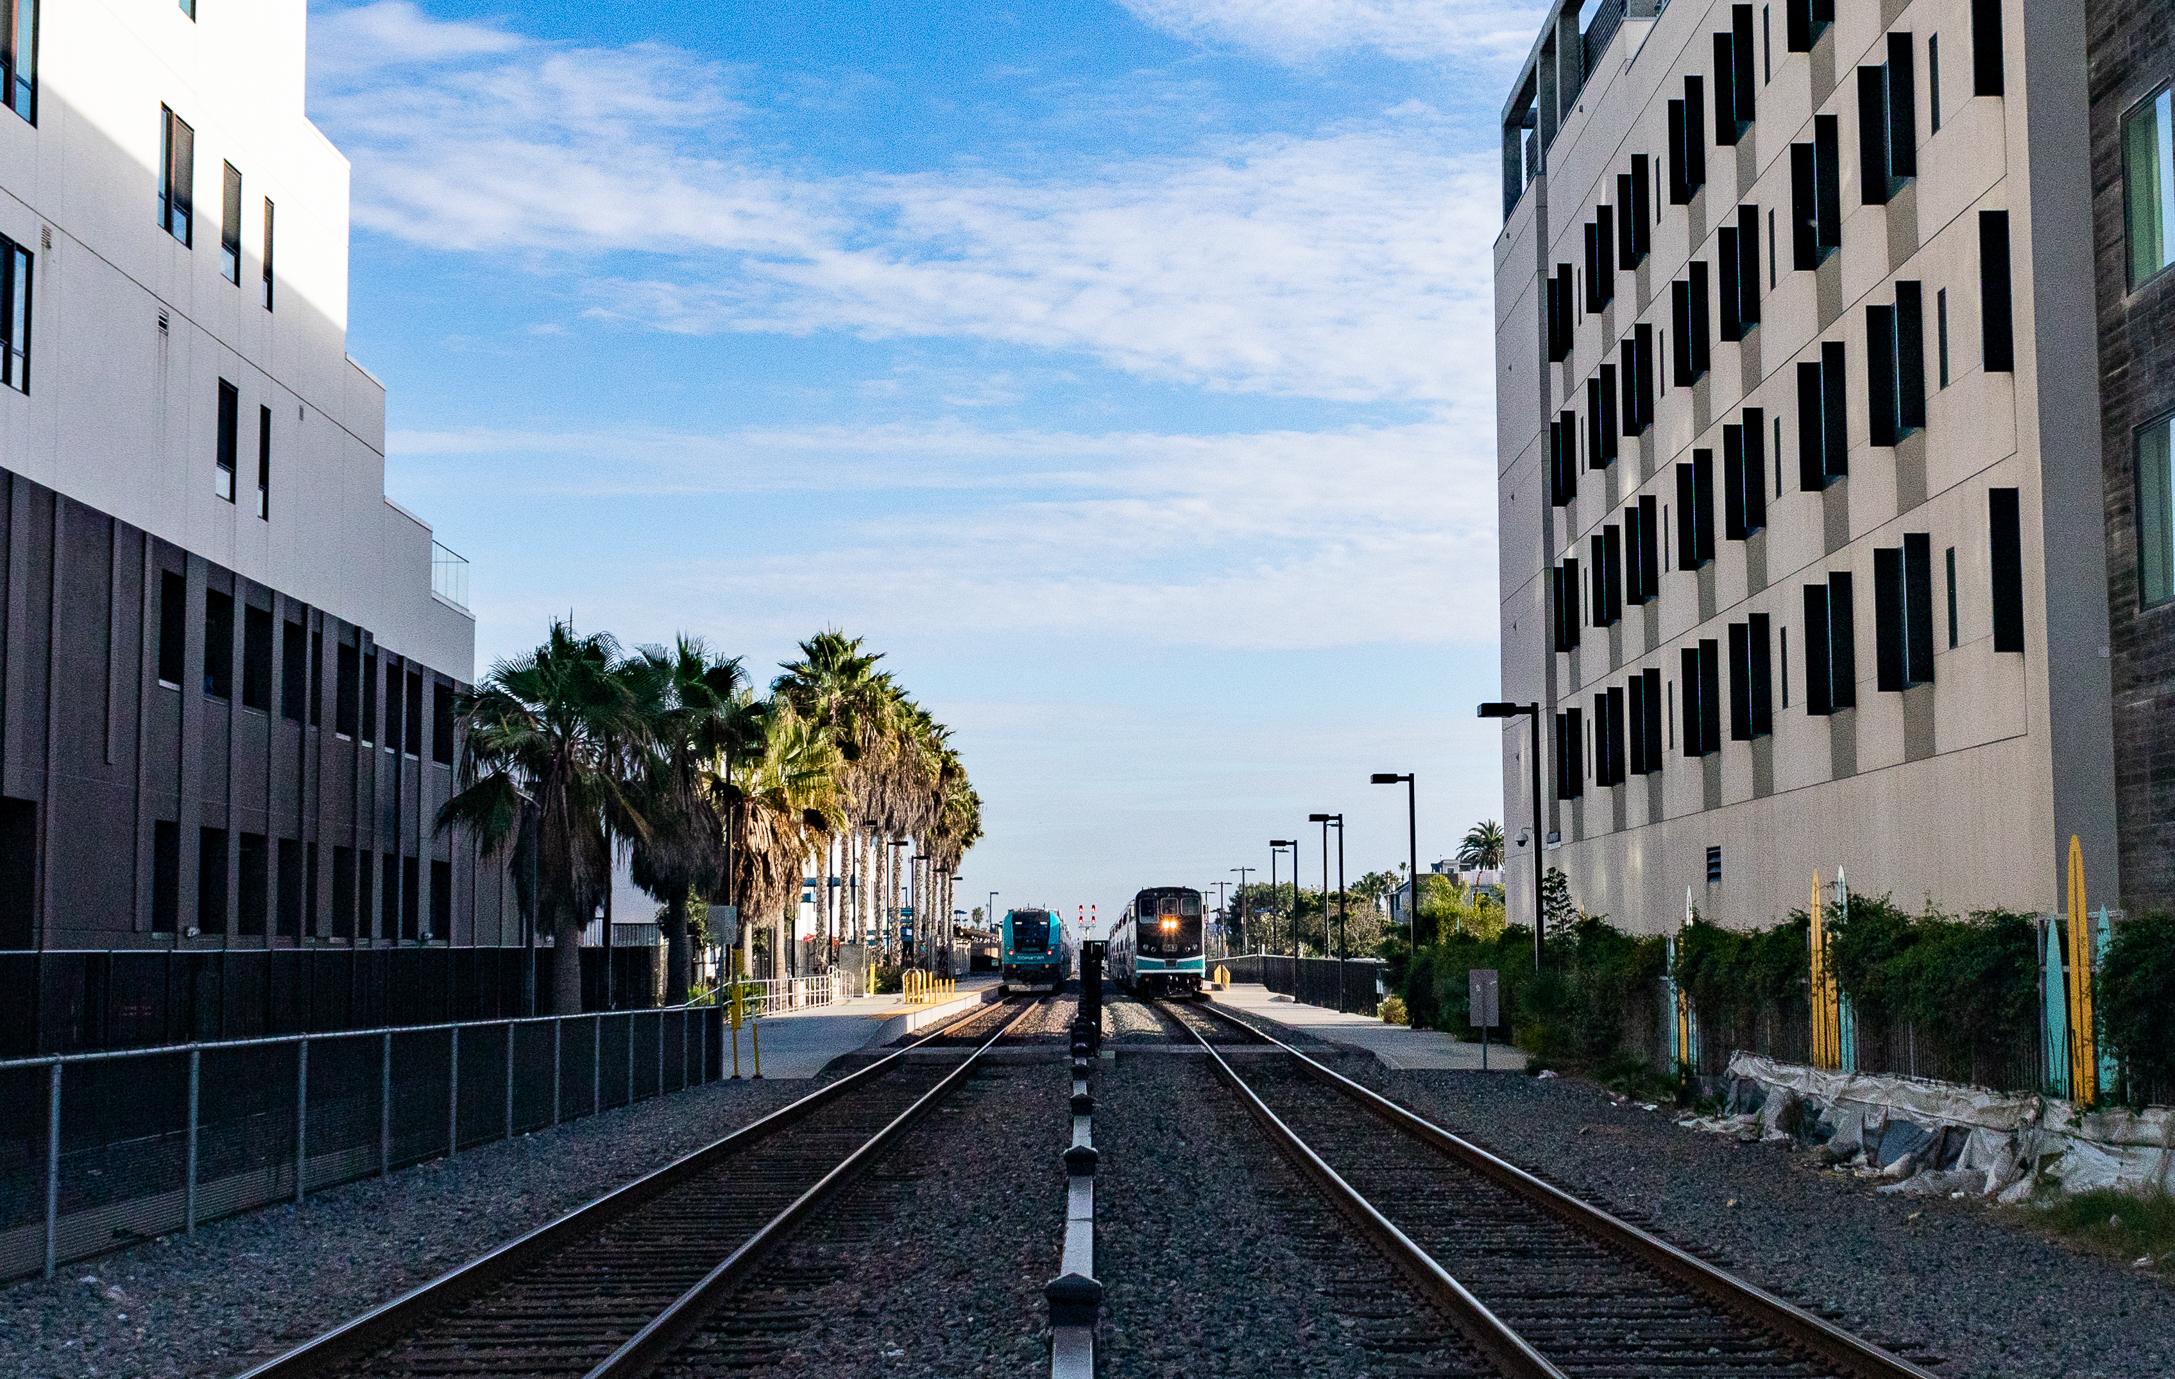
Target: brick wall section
{"x":2132,"y":53}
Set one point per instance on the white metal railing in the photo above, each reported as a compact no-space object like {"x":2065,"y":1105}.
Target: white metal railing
{"x":771,"y":995}
{"x":449,"y":574}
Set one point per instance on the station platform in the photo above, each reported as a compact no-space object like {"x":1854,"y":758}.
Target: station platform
{"x":1393,"y":1046}
{"x":802,"y":1043}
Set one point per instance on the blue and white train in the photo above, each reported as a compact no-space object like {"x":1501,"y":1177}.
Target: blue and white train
{"x":1032,"y":952}
{"x":1156,"y":948}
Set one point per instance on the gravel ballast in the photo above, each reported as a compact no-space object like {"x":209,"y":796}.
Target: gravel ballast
{"x":248,"y":1287}
{"x":1954,"y":1285}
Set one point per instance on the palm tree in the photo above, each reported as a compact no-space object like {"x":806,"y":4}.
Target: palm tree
{"x":694,"y":706}
{"x":835,"y":685}
{"x":779,"y":796}
{"x":1482,"y":847}
{"x":545,"y":768}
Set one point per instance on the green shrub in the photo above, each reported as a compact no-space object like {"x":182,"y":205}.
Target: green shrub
{"x":1968,"y":984}
{"x":1733,"y":974}
{"x":2134,"y":998}
{"x":1393,"y":1011}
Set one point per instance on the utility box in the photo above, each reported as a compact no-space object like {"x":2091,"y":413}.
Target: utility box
{"x":1482,"y":993}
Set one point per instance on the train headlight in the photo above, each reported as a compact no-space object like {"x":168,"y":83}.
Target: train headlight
{"x":1170,"y":926}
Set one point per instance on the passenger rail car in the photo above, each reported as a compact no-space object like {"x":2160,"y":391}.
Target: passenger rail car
{"x":1032,"y":952}
{"x":1156,"y":948}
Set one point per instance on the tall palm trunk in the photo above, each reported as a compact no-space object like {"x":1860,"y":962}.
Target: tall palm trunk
{"x":566,"y":961}
{"x":677,"y":959}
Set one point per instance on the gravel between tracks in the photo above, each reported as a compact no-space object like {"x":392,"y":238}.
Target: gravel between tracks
{"x":249,"y":1286}
{"x":1929,"y":1278}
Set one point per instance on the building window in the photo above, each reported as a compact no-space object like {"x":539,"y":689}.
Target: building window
{"x":1804,"y":21}
{"x":1645,"y":722}
{"x":1608,"y":727}
{"x":264,"y":463}
{"x":1689,"y":317}
{"x":412,"y":740}
{"x":366,"y":905}
{"x":294,"y":671}
{"x":1887,"y":123}
{"x":1562,"y":459}
{"x":344,"y":686}
{"x":1702,"y":665}
{"x":1688,"y":143}
{"x":1903,"y":612}
{"x":441,"y":900}
{"x":2005,"y":551}
{"x":14,"y":315}
{"x":1895,"y":365}
{"x":1634,"y":227}
{"x":253,"y":896}
{"x":1600,"y":260}
{"x":173,"y":626}
{"x":343,"y":892}
{"x":390,"y":917}
{"x":1570,"y":755}
{"x":1737,"y":266}
{"x":2156,"y":511}
{"x":1563,"y":594}
{"x":1606,"y":548}
{"x":1695,"y":511}
{"x":1751,"y":680}
{"x":1559,"y":314}
{"x":1823,"y":435}
{"x":441,"y":723}
{"x":257,"y":658}
{"x":1996,"y":326}
{"x":317,"y":670}
{"x":1940,"y":326}
{"x":1767,"y":44}
{"x":230,"y":423}
{"x":177,"y":175}
{"x":1986,"y":63}
{"x":1952,"y":598}
{"x":218,"y":644}
{"x":395,"y":702}
{"x":411,"y":901}
{"x":1933,"y":79}
{"x":1642,"y":551}
{"x":268,"y":223}
{"x":369,"y":725}
{"x":291,"y":882}
{"x":1734,"y":92}
{"x":211,"y":880}
{"x":165,"y":876}
{"x":1744,"y":476}
{"x":1601,"y":417}
{"x":2148,"y":182}
{"x":1816,"y":195}
{"x":1831,"y":649}
{"x":230,"y":226}
{"x":1638,"y":380}
{"x":19,"y":56}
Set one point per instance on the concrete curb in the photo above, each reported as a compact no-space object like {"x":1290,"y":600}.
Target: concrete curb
{"x":913,"y":1021}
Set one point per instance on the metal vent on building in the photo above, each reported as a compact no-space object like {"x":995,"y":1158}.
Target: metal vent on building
{"x":163,"y":327}
{"x":1714,"y":866}
{"x":45,"y":237}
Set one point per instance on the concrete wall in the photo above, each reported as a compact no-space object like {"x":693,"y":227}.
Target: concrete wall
{"x":1948,"y":790}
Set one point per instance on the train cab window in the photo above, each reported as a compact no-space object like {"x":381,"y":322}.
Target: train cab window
{"x":1190,"y":906}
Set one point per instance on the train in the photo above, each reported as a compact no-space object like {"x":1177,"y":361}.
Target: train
{"x":1156,"y":948}
{"x":1032,"y":951}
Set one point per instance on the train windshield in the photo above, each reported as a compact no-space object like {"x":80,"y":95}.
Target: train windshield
{"x":1031,"y":932}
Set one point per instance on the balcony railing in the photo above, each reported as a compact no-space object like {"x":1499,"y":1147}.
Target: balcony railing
{"x":449,"y":575}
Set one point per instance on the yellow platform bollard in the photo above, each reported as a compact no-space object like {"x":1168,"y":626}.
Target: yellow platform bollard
{"x":755,"y":1032}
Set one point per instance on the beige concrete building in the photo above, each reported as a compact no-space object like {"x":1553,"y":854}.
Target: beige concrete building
{"x":1803,"y":538}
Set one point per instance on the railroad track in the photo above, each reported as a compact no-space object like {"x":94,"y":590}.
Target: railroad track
{"x":1191,"y":1020}
{"x":1545,"y":1285}
{"x":612,"y":1289}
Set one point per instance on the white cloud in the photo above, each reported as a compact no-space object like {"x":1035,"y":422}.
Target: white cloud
{"x":1298,"y":30}
{"x":1333,"y":265}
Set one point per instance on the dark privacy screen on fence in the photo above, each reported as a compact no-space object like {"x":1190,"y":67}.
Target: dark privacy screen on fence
{"x":155,"y":1142}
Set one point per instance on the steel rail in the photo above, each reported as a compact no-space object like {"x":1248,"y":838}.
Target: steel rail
{"x":684,"y":1318}
{"x":1851,"y":1354}
{"x":372,"y":1330}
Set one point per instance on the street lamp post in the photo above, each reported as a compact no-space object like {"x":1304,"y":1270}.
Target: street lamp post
{"x":1412,"y":828}
{"x":891,"y":902}
{"x":1243,"y":873}
{"x":1498,"y":709}
{"x":1276,"y":845}
{"x":1329,"y":821}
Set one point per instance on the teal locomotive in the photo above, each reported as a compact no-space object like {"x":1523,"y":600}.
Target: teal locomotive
{"x":1156,"y":948}
{"x":1031,"y":950}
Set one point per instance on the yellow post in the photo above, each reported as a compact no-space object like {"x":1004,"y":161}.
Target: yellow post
{"x":2083,"y":1055}
{"x":738,"y":1010}
{"x":1823,"y":1049}
{"x":755,"y":1033}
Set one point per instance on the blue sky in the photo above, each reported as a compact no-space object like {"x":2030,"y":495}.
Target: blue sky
{"x":1120,"y":367}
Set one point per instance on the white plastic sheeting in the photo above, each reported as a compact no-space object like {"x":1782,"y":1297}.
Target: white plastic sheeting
{"x":1928,"y":1138}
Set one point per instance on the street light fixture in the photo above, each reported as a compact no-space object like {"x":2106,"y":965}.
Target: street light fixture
{"x":1243,"y":873}
{"x":1412,"y":826}
{"x":1329,"y":821}
{"x":1499,"y":709}
{"x":1277,"y":845}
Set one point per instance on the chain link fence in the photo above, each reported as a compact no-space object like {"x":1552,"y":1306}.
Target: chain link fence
{"x":102,"y":1150}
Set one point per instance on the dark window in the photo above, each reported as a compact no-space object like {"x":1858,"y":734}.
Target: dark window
{"x":1714,"y":866}
{"x":264,"y":463}
{"x":268,"y":242}
{"x":1634,"y":226}
{"x":1645,"y":722}
{"x":1952,"y":598}
{"x":253,"y":893}
{"x":1688,"y":143}
{"x":230,"y":444}
{"x":1606,"y":549}
{"x":1986,"y":60}
{"x":1563,"y":459}
{"x":1767,"y":44}
{"x":309,"y":888}
{"x":441,"y":900}
{"x":1997,"y":329}
{"x":1805,"y":20}
{"x":211,"y":880}
{"x":291,"y":885}
{"x":1563,"y":604}
{"x":1601,"y":429}
{"x":391,"y":919}
{"x":1638,"y":380}
{"x":366,"y":905}
{"x":317,"y":669}
{"x":1600,"y":260}
{"x":1642,"y":550}
{"x":177,"y":175}
{"x":412,"y":741}
{"x":1823,"y":435}
{"x":344,"y":687}
{"x":1895,"y":365}
{"x":1695,"y":511}
{"x":19,"y":56}
{"x":1831,"y":657}
{"x":257,"y":658}
{"x":1690,"y":319}
{"x":218,"y":644}
{"x":1559,"y":315}
{"x":1737,"y":267}
{"x":1940,"y":321}
{"x":294,"y":671}
{"x":1570,"y":755}
{"x":1735,"y":96}
{"x":1744,"y":477}
{"x":165,"y":876}
{"x":173,"y":626}
{"x":1933,"y":79}
{"x":2005,"y":547}
{"x":394,"y":703}
{"x":1751,"y":680}
{"x":230,"y":227}
{"x":369,"y":731}
{"x":15,"y":266}
{"x":441,"y":723}
{"x":1816,"y":195}
{"x":1887,"y":123}
{"x":1609,"y":746}
{"x":343,"y":892}
{"x":1903,"y":612}
{"x":1702,"y":665}
{"x":411,"y":900}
